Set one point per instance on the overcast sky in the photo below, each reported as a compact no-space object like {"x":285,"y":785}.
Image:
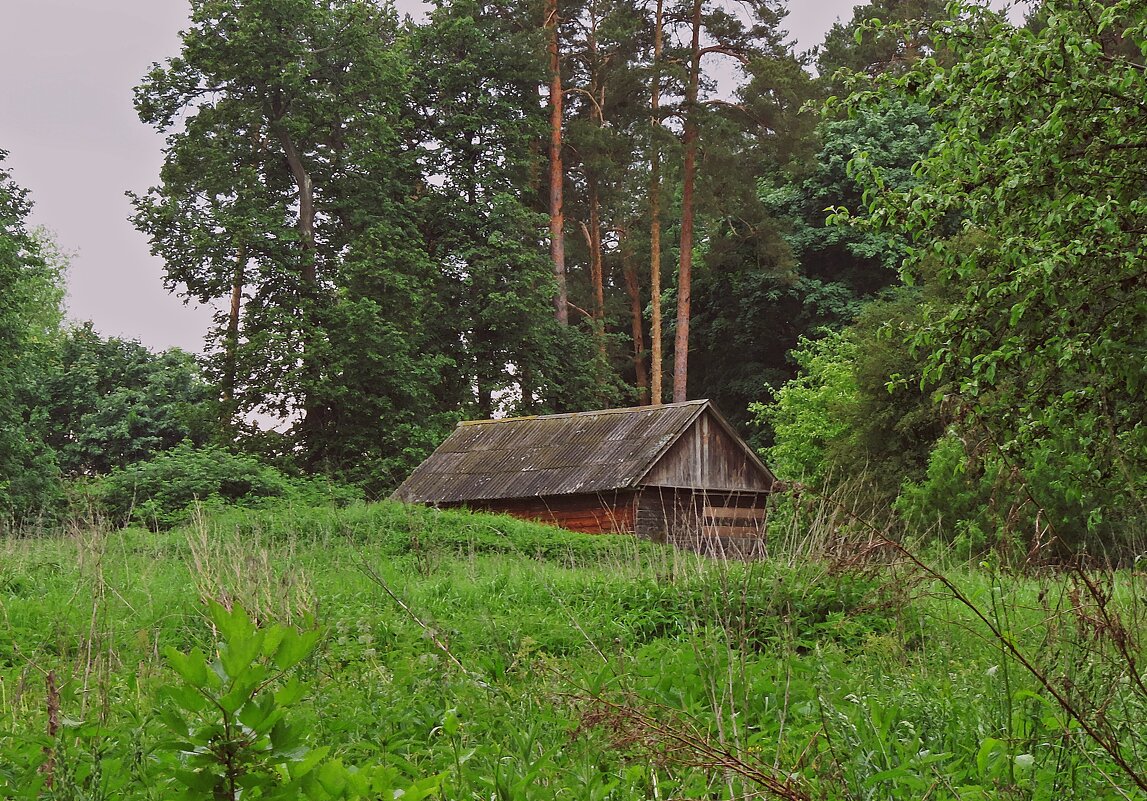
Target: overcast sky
{"x":67,"y":121}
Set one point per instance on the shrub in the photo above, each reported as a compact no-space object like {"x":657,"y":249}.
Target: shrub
{"x":809,"y":415}
{"x":160,"y":493}
{"x":977,"y":497}
{"x":399,"y":529}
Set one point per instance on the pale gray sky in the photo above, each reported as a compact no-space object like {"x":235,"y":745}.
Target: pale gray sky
{"x":74,"y":141}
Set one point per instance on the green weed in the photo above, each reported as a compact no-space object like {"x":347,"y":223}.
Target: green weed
{"x":501,"y":659}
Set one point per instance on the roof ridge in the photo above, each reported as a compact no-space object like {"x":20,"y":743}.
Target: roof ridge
{"x":594,"y":412}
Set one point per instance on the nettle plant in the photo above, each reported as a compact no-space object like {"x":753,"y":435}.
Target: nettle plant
{"x":234,"y":729}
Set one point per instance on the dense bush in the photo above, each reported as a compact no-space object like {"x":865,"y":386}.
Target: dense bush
{"x":810,"y":414}
{"x":160,"y":493}
{"x":111,"y":402}
{"x":858,"y":405}
{"x":975,"y":498}
{"x":401,"y":529}
{"x":31,"y":310}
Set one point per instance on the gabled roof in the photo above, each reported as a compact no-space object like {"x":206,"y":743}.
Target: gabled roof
{"x":558,"y":454}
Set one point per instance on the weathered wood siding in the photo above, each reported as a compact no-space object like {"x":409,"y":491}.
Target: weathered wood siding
{"x":723,"y":524}
{"x":599,"y":513}
{"x":728,"y":524}
{"x":654,"y":514}
{"x":731,"y":524}
{"x":707,"y":457}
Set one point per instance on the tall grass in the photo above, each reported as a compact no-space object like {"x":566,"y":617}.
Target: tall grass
{"x":517,"y":661}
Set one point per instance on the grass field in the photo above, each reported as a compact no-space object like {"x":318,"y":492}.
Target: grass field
{"x":476,"y":657}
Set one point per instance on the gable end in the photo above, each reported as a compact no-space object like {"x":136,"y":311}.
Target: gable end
{"x":709,"y":455}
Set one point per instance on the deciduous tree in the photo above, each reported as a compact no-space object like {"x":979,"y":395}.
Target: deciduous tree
{"x":111,"y":402}
{"x":287,"y":191}
{"x":31,"y":296}
{"x":1040,"y":153}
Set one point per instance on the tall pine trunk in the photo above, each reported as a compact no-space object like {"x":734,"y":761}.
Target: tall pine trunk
{"x":591,"y":229}
{"x":597,"y":261}
{"x":655,"y":357}
{"x":636,"y":321}
{"x":688,"y":178}
{"x":592,"y":234}
{"x":557,"y":173}
{"x":593,"y":198}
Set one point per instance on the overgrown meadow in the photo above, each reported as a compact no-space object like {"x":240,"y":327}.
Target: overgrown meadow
{"x":381,"y":651}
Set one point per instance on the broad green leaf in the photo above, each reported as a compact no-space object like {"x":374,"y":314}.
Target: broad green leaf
{"x":191,"y":667}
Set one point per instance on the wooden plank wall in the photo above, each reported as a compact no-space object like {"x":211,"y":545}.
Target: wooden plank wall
{"x":721,"y":524}
{"x":654,"y":512}
{"x":604,"y":513}
{"x":706,"y":457}
{"x":714,"y":523}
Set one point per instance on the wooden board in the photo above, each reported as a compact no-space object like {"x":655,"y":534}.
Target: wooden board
{"x":740,"y":513}
{"x":731,"y":531}
{"x":706,"y":457}
{"x":602,"y":513}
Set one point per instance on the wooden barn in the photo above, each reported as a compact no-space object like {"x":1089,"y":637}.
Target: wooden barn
{"x":673,"y":473}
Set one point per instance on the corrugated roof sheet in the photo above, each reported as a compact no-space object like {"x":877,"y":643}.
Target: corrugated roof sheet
{"x":558,"y":454}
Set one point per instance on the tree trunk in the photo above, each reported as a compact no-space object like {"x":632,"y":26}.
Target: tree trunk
{"x":655,"y":214}
{"x":688,"y":178}
{"x":557,"y":174}
{"x":480,"y":335}
{"x":596,"y":264}
{"x":636,"y":322}
{"x":485,"y":399}
{"x":231,"y":338}
{"x":315,"y":416}
{"x":306,"y":204}
{"x":526,"y":387}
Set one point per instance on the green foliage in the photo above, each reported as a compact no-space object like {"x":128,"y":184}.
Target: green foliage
{"x":810,"y":414}
{"x":882,"y":36}
{"x":475,"y":71}
{"x":233,"y":723}
{"x":956,"y":499}
{"x":803,"y":275}
{"x":229,"y":717}
{"x":895,"y":420}
{"x":109,"y":403}
{"x":289,"y":187}
{"x":1037,"y":152}
{"x":892,"y":134}
{"x":399,"y":530}
{"x":163,"y":491}
{"x":976,"y":500}
{"x":31,"y":298}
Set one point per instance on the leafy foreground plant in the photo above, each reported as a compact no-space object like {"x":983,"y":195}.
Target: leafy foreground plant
{"x":234,"y":734}
{"x":837,"y":670}
{"x":231,"y":727}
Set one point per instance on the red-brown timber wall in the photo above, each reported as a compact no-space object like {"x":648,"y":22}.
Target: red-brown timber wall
{"x":728,"y":524}
{"x":600,"y":513}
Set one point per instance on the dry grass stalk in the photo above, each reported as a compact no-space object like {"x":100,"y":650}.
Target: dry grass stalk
{"x":680,"y":743}
{"x":53,"y":703}
{"x":232,"y":570}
